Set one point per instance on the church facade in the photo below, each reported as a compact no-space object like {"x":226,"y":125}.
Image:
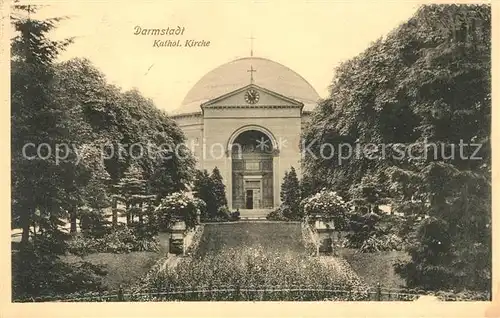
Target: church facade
{"x":245,"y":117}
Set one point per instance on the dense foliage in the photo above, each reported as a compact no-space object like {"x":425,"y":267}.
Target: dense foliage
{"x":373,"y":232}
{"x":211,"y":189}
{"x":37,"y":270}
{"x":119,"y":240}
{"x":362,"y":226}
{"x":426,"y":85}
{"x":219,"y":188}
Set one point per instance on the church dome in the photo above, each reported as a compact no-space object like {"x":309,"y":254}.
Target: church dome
{"x":234,"y":75}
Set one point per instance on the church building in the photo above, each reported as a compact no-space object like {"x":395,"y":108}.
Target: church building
{"x":245,"y":117}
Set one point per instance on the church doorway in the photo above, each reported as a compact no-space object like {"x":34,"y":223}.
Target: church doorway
{"x":249,"y":203}
{"x":252,"y":171}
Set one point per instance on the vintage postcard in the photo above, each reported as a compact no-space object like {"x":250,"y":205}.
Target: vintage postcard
{"x":289,"y":156}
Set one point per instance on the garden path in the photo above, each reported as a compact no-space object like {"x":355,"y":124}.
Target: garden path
{"x":260,"y":253}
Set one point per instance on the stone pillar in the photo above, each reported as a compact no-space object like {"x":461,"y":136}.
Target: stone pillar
{"x":176,"y":240}
{"x":229,"y":179}
{"x":276,"y":179}
{"x":325,"y":229}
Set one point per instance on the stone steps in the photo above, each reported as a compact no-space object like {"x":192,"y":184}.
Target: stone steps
{"x":254,"y":214}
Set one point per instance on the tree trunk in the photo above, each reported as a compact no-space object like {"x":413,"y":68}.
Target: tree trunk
{"x":72,"y":220}
{"x":140,"y":213}
{"x":114,"y":208}
{"x":129,"y":216}
{"x":25,"y":225}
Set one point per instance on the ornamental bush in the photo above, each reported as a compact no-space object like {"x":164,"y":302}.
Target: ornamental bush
{"x":278,"y":214}
{"x":223,"y":214}
{"x":121,"y":239}
{"x":178,"y":206}
{"x":387,"y":242}
{"x":328,"y":204}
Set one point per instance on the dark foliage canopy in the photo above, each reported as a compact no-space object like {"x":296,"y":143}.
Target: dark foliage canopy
{"x":427,"y":85}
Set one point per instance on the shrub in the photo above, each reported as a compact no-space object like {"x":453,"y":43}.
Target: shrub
{"x":211,"y":190}
{"x":223,"y":212}
{"x":120,"y":240}
{"x":36,"y":273}
{"x":177,"y":206}
{"x":93,"y":222}
{"x":222,"y":215}
{"x":328,"y":204}
{"x":388,"y":242}
{"x":277,"y":215}
{"x":431,"y":257}
{"x":362,"y":227}
{"x":203,"y":189}
{"x":201,"y":206}
{"x":81,"y":245}
{"x":439,"y":261}
{"x":235,"y":216}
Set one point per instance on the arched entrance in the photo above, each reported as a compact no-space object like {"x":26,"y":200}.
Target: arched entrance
{"x":252,"y":153}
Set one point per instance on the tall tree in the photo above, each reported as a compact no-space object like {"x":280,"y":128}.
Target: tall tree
{"x":131,"y":189}
{"x":368,"y":194}
{"x":38,"y":182}
{"x":43,"y":183}
{"x":219,"y":188}
{"x":82,"y":91}
{"x":290,"y":195}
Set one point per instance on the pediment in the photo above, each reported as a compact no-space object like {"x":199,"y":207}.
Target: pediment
{"x":266,"y":98}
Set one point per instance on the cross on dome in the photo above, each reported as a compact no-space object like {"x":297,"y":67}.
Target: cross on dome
{"x":251,"y":70}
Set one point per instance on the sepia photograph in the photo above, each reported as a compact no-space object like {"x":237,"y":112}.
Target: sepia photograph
{"x":169,"y":151}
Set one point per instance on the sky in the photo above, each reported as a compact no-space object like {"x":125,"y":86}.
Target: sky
{"x":310,"y":37}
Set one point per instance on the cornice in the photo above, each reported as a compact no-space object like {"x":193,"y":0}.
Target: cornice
{"x":210,"y":103}
{"x":187,"y":115}
{"x":245,"y":106}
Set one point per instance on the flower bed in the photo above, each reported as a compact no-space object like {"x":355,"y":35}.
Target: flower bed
{"x":257,"y":266}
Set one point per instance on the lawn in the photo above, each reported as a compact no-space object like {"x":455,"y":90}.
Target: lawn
{"x":273,"y":237}
{"x":376,"y":267}
{"x":122,"y":269}
{"x":276,"y":242}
